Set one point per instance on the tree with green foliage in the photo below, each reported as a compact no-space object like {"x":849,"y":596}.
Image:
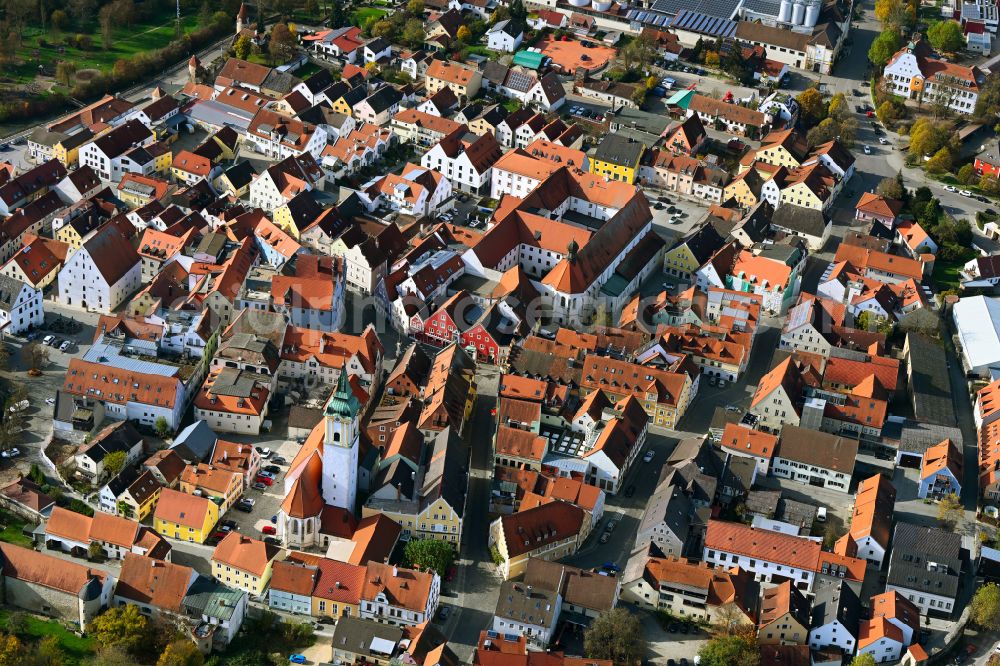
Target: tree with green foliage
{"x":811,"y":106}
{"x":838,"y":106}
{"x":884,"y":47}
{"x":415,"y":7}
{"x":892,"y":187}
{"x":243,"y":47}
{"x":927,"y":137}
{"x":615,"y":635}
{"x":940,"y":162}
{"x":429,"y":554}
{"x":48,"y":652}
{"x":730,"y":651}
{"x":162,"y":427}
{"x":988,"y":101}
{"x":946,"y":36}
{"x":518,"y":12}
{"x":464,"y":34}
{"x":967,"y":175}
{"x":181,"y":653}
{"x":35,"y":474}
{"x":984,"y":610}
{"x":338,"y":16}
{"x":863,"y":660}
{"x":894,"y":14}
{"x":281,"y":46}
{"x":121,"y":626}
{"x":890,"y":111}
{"x":59,"y":20}
{"x":11,"y":651}
{"x":114,"y":462}
{"x":94,"y":550}
{"x":949,"y":511}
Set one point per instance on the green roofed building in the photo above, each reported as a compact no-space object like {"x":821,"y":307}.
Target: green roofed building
{"x":529,"y":59}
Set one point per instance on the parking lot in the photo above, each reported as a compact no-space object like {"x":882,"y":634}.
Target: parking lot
{"x":267,"y":501}
{"x":42,"y":389}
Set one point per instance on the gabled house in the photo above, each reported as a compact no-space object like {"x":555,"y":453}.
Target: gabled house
{"x":941,"y":471}
{"x":836,"y":618}
{"x":784,"y":616}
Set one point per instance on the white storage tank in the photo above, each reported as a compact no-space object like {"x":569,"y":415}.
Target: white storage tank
{"x":579,"y":3}
{"x":812,"y":14}
{"x":785,"y":12}
{"x":798,"y":13}
{"x":602,"y":5}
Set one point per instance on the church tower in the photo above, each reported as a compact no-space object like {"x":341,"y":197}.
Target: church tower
{"x":340,"y":446}
{"x":241,"y":19}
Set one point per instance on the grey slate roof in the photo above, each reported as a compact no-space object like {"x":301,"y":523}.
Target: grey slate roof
{"x":915,"y":549}
{"x":837,"y":602}
{"x":929,"y":383}
{"x":195,"y":442}
{"x":527,"y":604}
{"x":807,"y":221}
{"x":9,"y":290}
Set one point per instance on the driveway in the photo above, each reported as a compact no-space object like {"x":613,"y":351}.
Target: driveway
{"x":38,"y":429}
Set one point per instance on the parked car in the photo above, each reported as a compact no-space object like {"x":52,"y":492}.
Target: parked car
{"x":48,"y":340}
{"x":884,"y":141}
{"x":272,"y":469}
{"x":245,"y":508}
{"x":259,"y":486}
{"x":722,"y":383}
{"x":965,"y":193}
{"x":264,"y":452}
{"x":297,"y":659}
{"x":868,"y":149}
{"x":444,"y":612}
{"x":950,"y":188}
{"x":821,"y":514}
{"x":19,"y":406}
{"x":65,"y":345}
{"x":229,"y":524}
{"x":248,"y":500}
{"x":269,"y":529}
{"x":274,"y":519}
{"x":50,"y":401}
{"x":649,"y":456}
{"x":278,"y":460}
{"x":266,"y":474}
{"x":273,"y":541}
{"x":611,"y":525}
{"x":265,"y":480}
{"x":11,"y":453}
{"x":605,"y":537}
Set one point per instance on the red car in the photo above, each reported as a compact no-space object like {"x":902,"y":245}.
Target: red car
{"x":870,"y":114}
{"x":266,"y":480}
{"x":268,"y":529}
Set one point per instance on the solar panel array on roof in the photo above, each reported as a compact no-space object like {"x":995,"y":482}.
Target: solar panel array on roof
{"x":724,"y":9}
{"x":519,"y":81}
{"x":648,"y":17}
{"x":764,"y":7}
{"x":704,"y":24}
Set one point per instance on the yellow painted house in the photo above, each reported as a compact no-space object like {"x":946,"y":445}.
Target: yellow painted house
{"x":785,"y":148}
{"x":435,"y":510}
{"x":244,"y":562}
{"x":617,"y":158}
{"x":139,"y":499}
{"x":222,"y":486}
{"x":185,"y":517}
{"x":691,"y":252}
{"x":337,"y":592}
{"x":67,"y":150}
{"x":744,"y":188}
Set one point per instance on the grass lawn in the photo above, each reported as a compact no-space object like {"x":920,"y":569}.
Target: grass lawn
{"x":11,"y":533}
{"x":947,"y":274}
{"x":483,"y":51}
{"x":360,"y":17}
{"x":75,"y":647}
{"x":127,"y":42}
